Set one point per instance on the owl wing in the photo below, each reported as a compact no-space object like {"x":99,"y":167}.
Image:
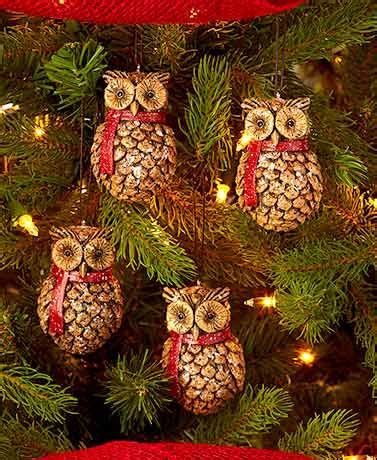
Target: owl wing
{"x":236,"y":361}
{"x":96,"y":150}
{"x":166,"y":353}
{"x":240,"y":179}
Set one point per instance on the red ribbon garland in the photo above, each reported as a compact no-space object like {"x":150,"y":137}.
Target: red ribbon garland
{"x":113,"y":117}
{"x":178,"y":339}
{"x":255,"y":148}
{"x":56,"y":317}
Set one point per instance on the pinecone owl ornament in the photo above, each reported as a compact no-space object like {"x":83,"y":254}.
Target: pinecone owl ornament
{"x":134,"y":154}
{"x":279,"y":180}
{"x":80,"y":304}
{"x":203,"y":359}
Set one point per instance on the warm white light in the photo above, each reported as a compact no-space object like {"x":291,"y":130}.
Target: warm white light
{"x":39,"y":132}
{"x":9,"y":106}
{"x":269,"y":302}
{"x":307,"y":356}
{"x":222,"y":193}
{"x":26,"y":223}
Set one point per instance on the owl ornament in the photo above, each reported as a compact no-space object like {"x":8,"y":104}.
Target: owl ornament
{"x":134,"y":154}
{"x":204,"y":361}
{"x":80,"y":304}
{"x":279,"y":180}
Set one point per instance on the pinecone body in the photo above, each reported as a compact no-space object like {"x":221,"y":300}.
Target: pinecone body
{"x":144,"y":159}
{"x":208,"y":375}
{"x":288,"y":186}
{"x":92,"y":313}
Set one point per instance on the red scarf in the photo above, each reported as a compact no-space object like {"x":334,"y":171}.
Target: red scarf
{"x":178,"y":339}
{"x":56,"y":319}
{"x":255,"y":148}
{"x":113,"y":117}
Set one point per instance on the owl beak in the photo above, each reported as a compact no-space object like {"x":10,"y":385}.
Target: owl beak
{"x":134,"y":107}
{"x":195,"y":332}
{"x":83,"y":269}
{"x":275,"y":137}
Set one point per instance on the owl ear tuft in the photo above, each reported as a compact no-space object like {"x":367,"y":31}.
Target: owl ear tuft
{"x":110,"y":75}
{"x":250,"y":104}
{"x":302,"y":103}
{"x":57,"y":233}
{"x":163,"y":77}
{"x":171,"y":294}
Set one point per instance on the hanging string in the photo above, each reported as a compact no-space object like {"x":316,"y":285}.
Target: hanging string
{"x":81,"y":167}
{"x":138,"y":47}
{"x":279,"y":56}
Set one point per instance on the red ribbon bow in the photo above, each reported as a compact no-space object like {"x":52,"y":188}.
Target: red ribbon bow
{"x":255,"y":148}
{"x":178,"y":339}
{"x":113,"y":117}
{"x":56,"y":318}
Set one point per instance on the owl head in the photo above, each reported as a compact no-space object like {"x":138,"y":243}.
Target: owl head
{"x":276,"y":118}
{"x":136,"y":91}
{"x":83,"y":248}
{"x":197,"y":310}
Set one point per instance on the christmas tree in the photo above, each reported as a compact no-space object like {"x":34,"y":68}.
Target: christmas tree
{"x":302,"y":299}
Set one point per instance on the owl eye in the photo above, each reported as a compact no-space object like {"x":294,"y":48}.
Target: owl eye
{"x":151,"y":94}
{"x":212,"y":316}
{"x":119,"y":93}
{"x":67,"y":254}
{"x":179,"y":317}
{"x":99,"y":254}
{"x":259,"y":123}
{"x":292,"y":123}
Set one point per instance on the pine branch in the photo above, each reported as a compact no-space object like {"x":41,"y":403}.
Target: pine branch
{"x":19,"y":441}
{"x":35,"y":393}
{"x":74,"y":70}
{"x":208,"y":114}
{"x":137,"y":391}
{"x":142,"y":242}
{"x":315,"y":34}
{"x":323,"y":435}
{"x":269,"y":351}
{"x":257,"y":411}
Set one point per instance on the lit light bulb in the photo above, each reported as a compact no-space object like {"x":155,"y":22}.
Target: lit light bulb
{"x":39,"y":132}
{"x":26,"y":223}
{"x":269,"y":301}
{"x":244,"y":141}
{"x":338,"y":59}
{"x":222,"y":193}
{"x":373,"y":202}
{"x":307,"y":356}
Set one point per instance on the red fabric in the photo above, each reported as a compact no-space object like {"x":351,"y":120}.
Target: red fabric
{"x":112,"y":119}
{"x":255,"y":148}
{"x":178,"y":339}
{"x":150,"y":11}
{"x":129,"y":450}
{"x":56,"y":319}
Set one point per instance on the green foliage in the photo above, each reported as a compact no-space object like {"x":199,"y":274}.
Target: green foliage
{"x":323,"y":435}
{"x":24,"y":441}
{"x":208,"y":112}
{"x":74,"y":70}
{"x":137,"y":391}
{"x":142,"y":242}
{"x":315,"y":34}
{"x":313,"y":279}
{"x":349,"y":169}
{"x":269,"y":351}
{"x":256,"y":412}
{"x":35,"y":392}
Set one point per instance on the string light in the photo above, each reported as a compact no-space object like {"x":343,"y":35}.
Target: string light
{"x":244,"y":141}
{"x":373,"y":202}
{"x":39,"y":132}
{"x":222,"y":192}
{"x":307,"y":356}
{"x":25,"y":221}
{"x":265,"y":302}
{"x":8,"y":107}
